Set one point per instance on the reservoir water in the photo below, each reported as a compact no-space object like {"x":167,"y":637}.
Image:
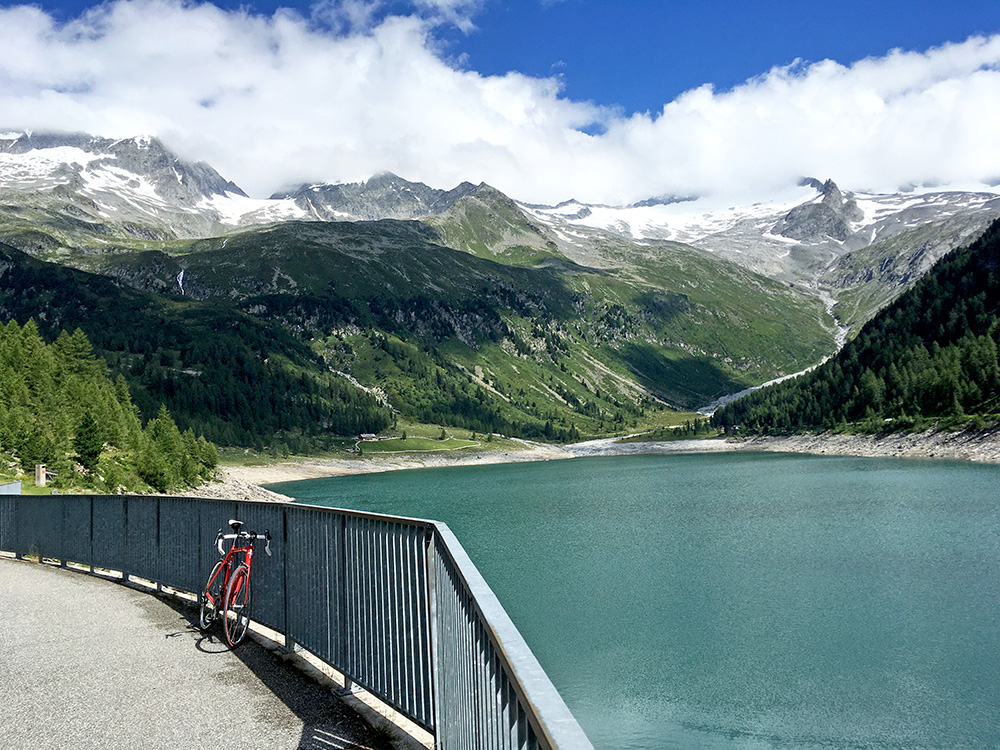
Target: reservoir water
{"x":737,"y":601}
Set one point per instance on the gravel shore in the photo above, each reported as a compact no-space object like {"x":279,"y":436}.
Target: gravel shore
{"x":239,"y":482}
{"x":245,"y":481}
{"x":981,"y":446}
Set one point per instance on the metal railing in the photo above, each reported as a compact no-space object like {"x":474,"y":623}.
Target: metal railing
{"x":395,"y":604}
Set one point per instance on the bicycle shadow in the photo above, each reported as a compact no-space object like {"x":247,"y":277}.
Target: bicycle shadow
{"x":327,"y":723}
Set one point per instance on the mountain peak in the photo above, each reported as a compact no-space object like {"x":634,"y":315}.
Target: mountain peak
{"x":826,"y":189}
{"x":830,"y":218}
{"x":380,"y":178}
{"x":384,"y":195}
{"x":832,"y":194}
{"x":91,"y":164}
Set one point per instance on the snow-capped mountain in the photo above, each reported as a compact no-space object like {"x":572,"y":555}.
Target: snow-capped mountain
{"x":800,"y":239}
{"x":135,"y":181}
{"x":142,"y":165}
{"x":857,"y":248}
{"x":139,"y":181}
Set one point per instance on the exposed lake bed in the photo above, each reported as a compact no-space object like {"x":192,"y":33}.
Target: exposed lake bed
{"x":244,"y":480}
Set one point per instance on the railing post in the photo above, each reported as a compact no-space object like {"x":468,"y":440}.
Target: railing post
{"x":290,"y":645}
{"x":343,"y":594}
{"x":159,"y":549}
{"x":91,"y":559}
{"x":434,"y":647}
{"x":62,"y":533}
{"x":125,"y":541}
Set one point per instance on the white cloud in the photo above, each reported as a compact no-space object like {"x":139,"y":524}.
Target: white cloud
{"x":271,"y":101}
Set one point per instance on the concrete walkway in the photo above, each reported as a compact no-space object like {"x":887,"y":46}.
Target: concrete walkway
{"x":87,"y":663}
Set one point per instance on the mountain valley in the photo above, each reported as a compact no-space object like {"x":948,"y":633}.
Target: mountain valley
{"x":462,"y":308}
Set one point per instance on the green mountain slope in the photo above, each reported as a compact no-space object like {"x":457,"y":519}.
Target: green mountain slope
{"x":931,"y":354}
{"x":681,"y":326}
{"x":227,"y":375}
{"x":864,"y":281}
{"x":489,"y":224}
{"x":505,"y":336}
{"x":697,"y":303}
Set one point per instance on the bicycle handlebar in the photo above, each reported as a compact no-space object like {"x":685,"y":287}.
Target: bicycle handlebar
{"x":266,"y":536}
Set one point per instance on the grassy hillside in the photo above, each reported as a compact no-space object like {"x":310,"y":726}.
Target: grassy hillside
{"x":263,"y":336}
{"x":490,"y":225}
{"x":224,"y":373}
{"x":683,"y":327}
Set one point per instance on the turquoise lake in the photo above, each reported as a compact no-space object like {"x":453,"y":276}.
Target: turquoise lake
{"x":736,"y":600}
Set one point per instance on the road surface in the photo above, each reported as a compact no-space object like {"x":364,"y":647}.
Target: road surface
{"x":88,"y":663}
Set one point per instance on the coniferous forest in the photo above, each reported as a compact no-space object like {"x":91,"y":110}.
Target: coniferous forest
{"x":59,"y":407}
{"x":930,"y":356}
{"x":221,"y":373}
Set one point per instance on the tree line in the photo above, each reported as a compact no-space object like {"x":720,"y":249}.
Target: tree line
{"x":222,"y":373}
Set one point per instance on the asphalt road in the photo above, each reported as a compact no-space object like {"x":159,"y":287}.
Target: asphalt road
{"x":87,"y":663}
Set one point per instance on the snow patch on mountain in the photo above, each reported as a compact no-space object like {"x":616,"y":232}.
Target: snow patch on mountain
{"x":42,"y":168}
{"x":686,"y":222}
{"x":239,"y":210}
{"x":692,"y":221}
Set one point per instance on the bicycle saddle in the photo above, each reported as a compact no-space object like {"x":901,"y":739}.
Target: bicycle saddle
{"x":235,"y":525}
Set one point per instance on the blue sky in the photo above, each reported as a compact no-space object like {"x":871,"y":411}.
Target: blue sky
{"x":641,"y":54}
{"x":544,"y":98}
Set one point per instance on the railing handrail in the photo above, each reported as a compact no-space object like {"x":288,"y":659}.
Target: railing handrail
{"x":416,"y":623}
{"x":533,"y":685}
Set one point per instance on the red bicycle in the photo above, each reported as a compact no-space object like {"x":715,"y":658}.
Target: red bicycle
{"x":228,"y":587}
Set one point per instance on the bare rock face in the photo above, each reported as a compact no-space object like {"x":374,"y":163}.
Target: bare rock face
{"x":384,"y":196}
{"x":828,"y":218}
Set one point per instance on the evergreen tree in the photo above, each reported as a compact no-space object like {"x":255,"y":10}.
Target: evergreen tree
{"x":88,"y":442}
{"x":58,"y":407}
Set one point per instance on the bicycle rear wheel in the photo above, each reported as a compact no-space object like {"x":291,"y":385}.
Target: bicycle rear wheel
{"x":236,"y":615}
{"x":210,"y":599}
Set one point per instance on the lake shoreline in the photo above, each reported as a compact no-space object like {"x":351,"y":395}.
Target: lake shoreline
{"x":977,"y":446}
{"x":982,"y":446}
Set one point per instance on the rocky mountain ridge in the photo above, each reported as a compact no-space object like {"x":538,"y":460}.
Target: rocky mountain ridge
{"x":820,"y":238}
{"x":384,"y":196}
{"x":832,"y":216}
{"x":856,"y":250}
{"x":81,"y":199}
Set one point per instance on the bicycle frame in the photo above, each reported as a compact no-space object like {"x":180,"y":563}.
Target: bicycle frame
{"x":228,"y":589}
{"x":230,"y":561}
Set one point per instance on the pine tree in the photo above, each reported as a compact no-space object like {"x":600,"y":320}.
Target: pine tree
{"x":88,"y":442}
{"x":57,"y":407}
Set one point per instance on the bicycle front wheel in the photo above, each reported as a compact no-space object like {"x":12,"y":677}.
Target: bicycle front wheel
{"x":236,"y":617}
{"x":211,"y":598}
